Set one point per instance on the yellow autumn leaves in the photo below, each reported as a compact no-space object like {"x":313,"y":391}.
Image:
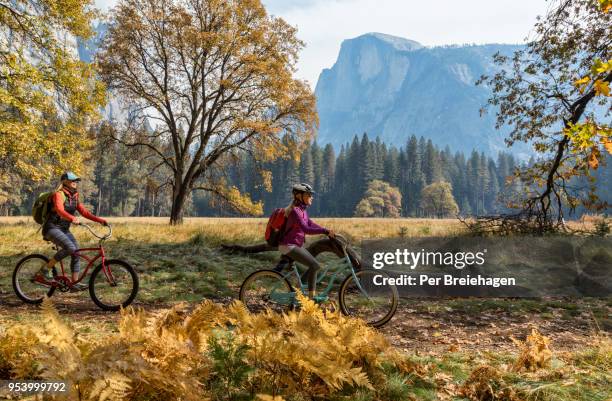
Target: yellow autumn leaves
{"x":174,"y":354}
{"x":605,"y":5}
{"x":49,"y":97}
{"x":589,"y":137}
{"x":216,"y":353}
{"x":601,"y":87}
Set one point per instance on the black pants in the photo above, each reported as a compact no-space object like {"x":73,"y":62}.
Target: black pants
{"x":316,"y":248}
{"x":301,"y":255}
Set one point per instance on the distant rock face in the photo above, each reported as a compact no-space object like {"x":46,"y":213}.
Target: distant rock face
{"x":394,"y":87}
{"x":115,"y":110}
{"x":391,"y":87}
{"x":88,"y":48}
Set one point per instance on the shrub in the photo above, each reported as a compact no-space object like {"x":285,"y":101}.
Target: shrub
{"x":223,"y":353}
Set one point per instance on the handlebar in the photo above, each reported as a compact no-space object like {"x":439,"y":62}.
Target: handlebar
{"x":101,"y":238}
{"x":341,"y":240}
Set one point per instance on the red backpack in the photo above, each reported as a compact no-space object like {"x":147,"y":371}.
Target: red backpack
{"x":275,"y":229}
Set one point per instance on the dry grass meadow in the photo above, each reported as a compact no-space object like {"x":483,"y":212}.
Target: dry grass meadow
{"x":456,"y":349}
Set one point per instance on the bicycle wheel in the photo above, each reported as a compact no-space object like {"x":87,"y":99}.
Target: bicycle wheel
{"x":376,"y":304}
{"x":24,"y":286}
{"x":267,"y":289}
{"x":117,"y":291}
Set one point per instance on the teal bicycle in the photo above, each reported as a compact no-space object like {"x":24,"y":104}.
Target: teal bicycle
{"x":362,"y":293}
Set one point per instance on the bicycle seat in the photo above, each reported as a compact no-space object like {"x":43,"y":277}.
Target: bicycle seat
{"x":53,"y":246}
{"x":284,"y":262}
{"x":287,"y":258}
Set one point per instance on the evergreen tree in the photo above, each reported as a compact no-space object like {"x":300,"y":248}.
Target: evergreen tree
{"x":391,"y":167}
{"x":317,"y":164}
{"x":341,"y":182}
{"x":293,"y":177}
{"x":328,"y":169}
{"x":431,"y":164}
{"x":380,"y":153}
{"x":459,"y":178}
{"x":307,"y":168}
{"x":415,"y":179}
{"x":366,"y":165}
{"x":483,"y":182}
{"x":493,"y":188}
{"x":327,"y":180}
{"x":473,"y":183}
{"x":354,"y":176}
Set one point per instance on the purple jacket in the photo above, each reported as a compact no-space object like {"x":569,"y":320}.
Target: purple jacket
{"x":299,"y":225}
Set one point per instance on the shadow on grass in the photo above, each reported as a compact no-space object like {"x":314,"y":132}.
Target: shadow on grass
{"x":188,"y":271}
{"x":197,"y":269}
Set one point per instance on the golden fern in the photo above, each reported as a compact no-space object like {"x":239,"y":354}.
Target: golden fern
{"x":164,"y":355}
{"x":112,"y":387}
{"x":18,"y":353}
{"x":60,"y":355}
{"x":534,"y":353}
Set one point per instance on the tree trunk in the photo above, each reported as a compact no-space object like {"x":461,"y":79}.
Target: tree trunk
{"x":99,"y":200}
{"x":178,"y":202}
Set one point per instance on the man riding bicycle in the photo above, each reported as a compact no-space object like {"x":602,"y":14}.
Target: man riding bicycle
{"x":64,"y":203}
{"x":299,"y":225}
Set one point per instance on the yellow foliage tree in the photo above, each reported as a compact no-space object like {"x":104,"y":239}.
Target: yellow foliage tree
{"x":437,"y":200}
{"x":215,"y":79}
{"x":48,"y":97}
{"x":380,"y":200}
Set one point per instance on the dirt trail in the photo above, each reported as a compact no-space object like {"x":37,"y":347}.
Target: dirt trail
{"x":438,"y":332}
{"x":414,"y":327}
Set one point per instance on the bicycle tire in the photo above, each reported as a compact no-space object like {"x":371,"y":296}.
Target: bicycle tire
{"x":346,"y":310}
{"x":17,"y":287}
{"x":242,"y":296}
{"x":133,"y":292}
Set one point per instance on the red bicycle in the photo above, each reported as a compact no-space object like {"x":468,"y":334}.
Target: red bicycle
{"x":113,"y":283}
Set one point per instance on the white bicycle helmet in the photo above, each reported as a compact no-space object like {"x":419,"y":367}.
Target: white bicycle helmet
{"x":302,"y":188}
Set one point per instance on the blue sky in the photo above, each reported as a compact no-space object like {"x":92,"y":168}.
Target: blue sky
{"x":324,"y":24}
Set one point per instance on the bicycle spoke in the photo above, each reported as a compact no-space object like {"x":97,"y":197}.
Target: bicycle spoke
{"x":112,"y":288}
{"x":266,"y":290}
{"x":362,"y":298}
{"x":23,"y":280}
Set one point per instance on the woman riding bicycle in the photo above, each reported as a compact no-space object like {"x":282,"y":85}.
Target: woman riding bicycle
{"x":64,"y":204}
{"x":299,"y":225}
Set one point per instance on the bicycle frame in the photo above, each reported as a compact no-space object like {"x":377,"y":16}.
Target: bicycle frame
{"x":346,"y":264}
{"x":329,"y":270}
{"x":90,"y":262}
{"x":66,"y":280}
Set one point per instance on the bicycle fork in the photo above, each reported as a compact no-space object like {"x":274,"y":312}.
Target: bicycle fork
{"x":107,"y":271}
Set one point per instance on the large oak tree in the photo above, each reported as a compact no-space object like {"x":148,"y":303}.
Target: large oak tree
{"x":206,"y":80}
